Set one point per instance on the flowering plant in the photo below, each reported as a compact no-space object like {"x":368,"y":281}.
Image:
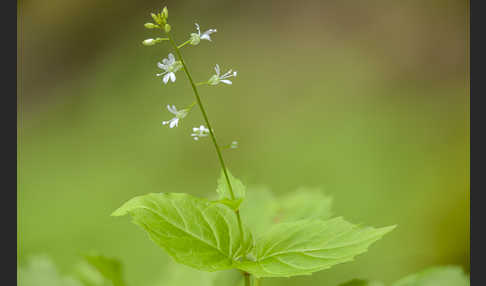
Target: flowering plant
{"x":282,"y":237}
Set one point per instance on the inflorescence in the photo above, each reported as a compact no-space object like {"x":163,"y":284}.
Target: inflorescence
{"x":170,"y":66}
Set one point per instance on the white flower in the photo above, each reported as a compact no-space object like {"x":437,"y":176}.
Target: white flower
{"x":217,"y":78}
{"x":170,"y":67}
{"x":200,"y":131}
{"x":179,"y":114}
{"x":197,"y":37}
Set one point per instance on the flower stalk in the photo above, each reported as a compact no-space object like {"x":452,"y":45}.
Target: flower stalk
{"x":206,"y":119}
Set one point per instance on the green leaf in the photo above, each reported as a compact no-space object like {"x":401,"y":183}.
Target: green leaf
{"x":436,"y":276}
{"x":109,"y":268}
{"x":239,"y":190}
{"x":259,"y":209}
{"x":307,"y":246}
{"x":360,"y":282}
{"x":233,"y":204}
{"x":194,"y":231}
{"x":305,"y":203}
{"x":40,"y":270}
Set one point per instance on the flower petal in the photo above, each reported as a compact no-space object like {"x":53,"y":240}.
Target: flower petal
{"x":171,"y":58}
{"x":227,"y":81}
{"x":172,"y":76}
{"x":205,"y":37}
{"x":166,"y":78}
{"x":206,"y":34}
{"x":161,"y":66}
{"x":172,"y":109}
{"x":216,"y":68}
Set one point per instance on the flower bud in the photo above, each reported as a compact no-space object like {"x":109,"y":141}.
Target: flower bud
{"x":149,"y":42}
{"x":165,"y":13}
{"x":150,"y":26}
{"x":167,"y":28}
{"x":155,"y":17}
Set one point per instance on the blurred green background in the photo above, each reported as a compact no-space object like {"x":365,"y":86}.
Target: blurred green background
{"x":366,"y":99}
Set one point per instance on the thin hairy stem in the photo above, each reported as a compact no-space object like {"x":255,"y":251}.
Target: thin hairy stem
{"x":213,"y":137}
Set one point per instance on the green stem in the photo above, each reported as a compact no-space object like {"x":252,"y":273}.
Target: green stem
{"x":183,"y":44}
{"x":247,"y":278}
{"x":213,"y":137}
{"x":192,"y":105}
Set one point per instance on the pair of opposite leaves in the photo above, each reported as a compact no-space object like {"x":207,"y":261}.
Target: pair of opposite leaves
{"x":205,"y":234}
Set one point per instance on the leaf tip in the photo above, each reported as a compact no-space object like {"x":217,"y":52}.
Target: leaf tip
{"x":119,"y":212}
{"x":387,"y":229}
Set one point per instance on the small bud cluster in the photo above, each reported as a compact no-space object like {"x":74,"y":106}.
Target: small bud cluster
{"x":160,"y":19}
{"x":170,"y":66}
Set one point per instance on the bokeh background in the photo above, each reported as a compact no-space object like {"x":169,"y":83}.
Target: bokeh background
{"x":366,"y":99}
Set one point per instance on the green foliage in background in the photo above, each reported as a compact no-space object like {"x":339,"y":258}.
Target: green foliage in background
{"x":92,"y":270}
{"x":108,"y":270}
{"x":433,"y":276}
{"x":40,"y":270}
{"x":436,"y":276}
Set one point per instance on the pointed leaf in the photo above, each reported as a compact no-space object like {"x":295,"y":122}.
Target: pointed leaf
{"x":237,"y":186}
{"x":307,"y":246}
{"x":194,"y":231}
